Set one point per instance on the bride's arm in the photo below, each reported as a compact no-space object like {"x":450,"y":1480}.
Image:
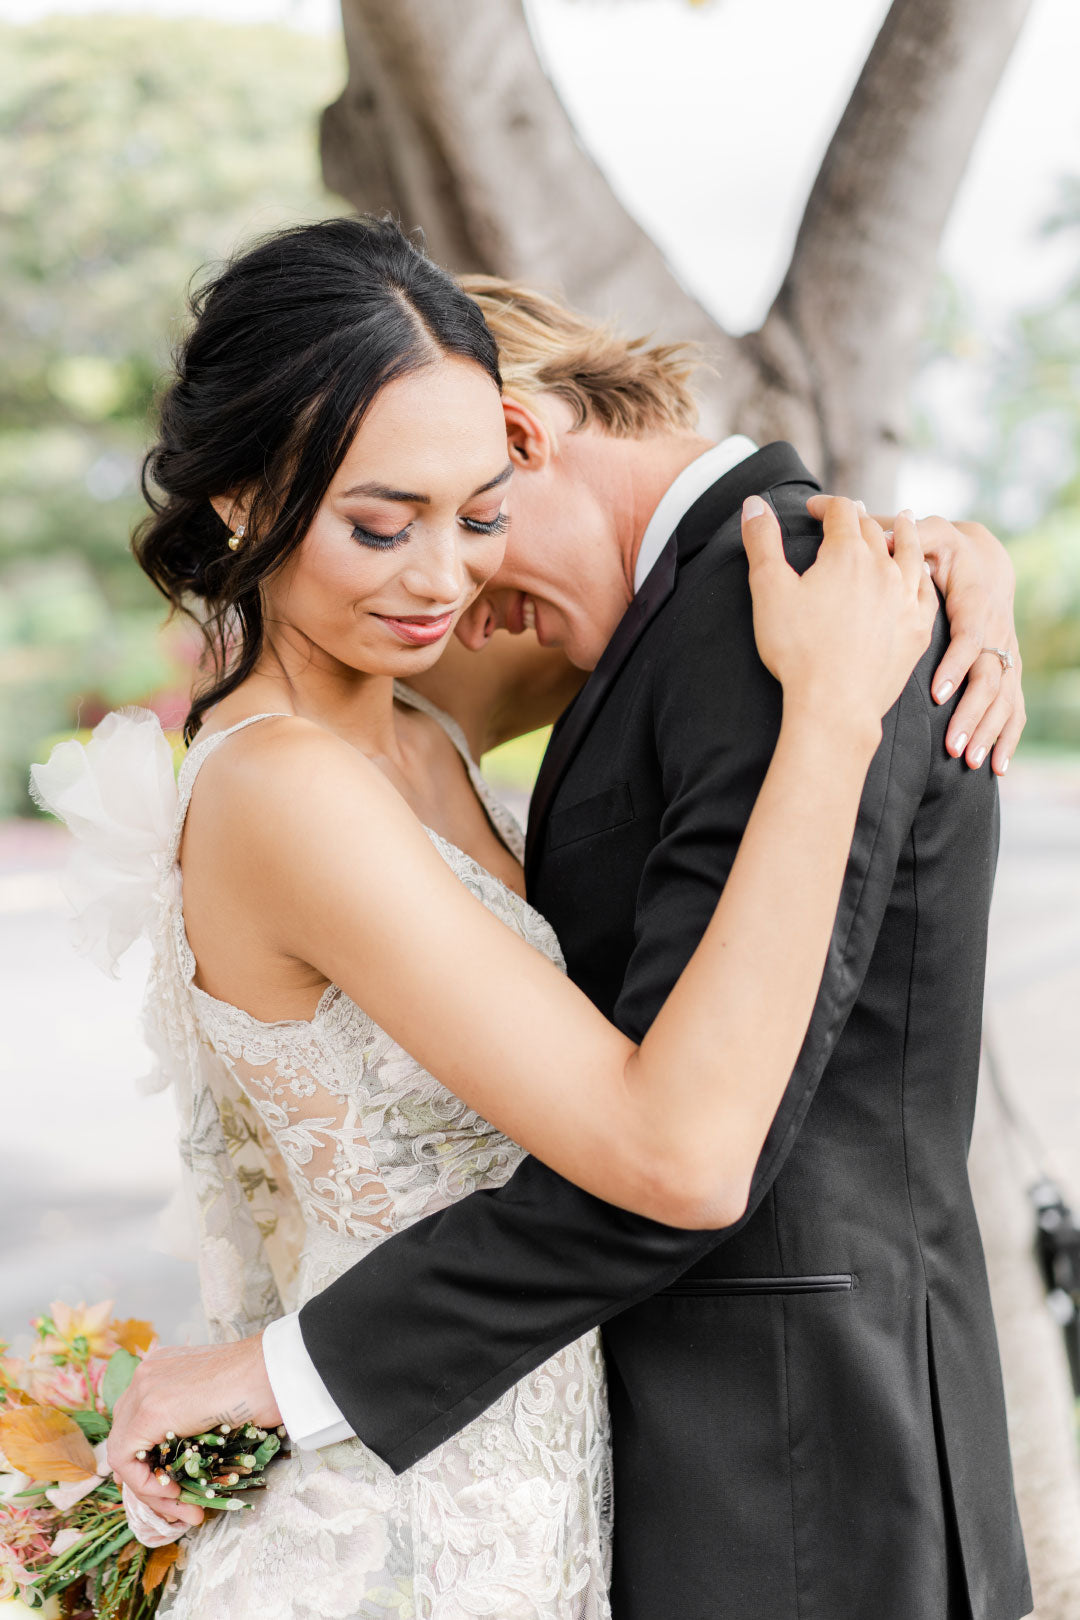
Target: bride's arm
{"x":671,"y":1128}
{"x":974,"y":573}
{"x":515,"y":685}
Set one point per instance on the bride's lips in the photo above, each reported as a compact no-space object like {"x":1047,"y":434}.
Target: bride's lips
{"x":419,"y":630}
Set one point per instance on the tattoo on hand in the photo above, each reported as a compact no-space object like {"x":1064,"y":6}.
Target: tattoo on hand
{"x":230,"y":1418}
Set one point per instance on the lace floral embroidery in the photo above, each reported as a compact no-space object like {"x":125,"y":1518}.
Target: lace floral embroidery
{"x":511,"y":1518}
{"x":305,"y":1144}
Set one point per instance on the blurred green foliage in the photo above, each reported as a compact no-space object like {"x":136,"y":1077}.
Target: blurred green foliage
{"x":133,"y":151}
{"x":514,"y":764}
{"x":1016,"y":431}
{"x":1034,"y":456}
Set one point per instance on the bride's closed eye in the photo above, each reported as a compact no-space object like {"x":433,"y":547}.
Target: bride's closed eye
{"x":389,"y":542}
{"x":380,"y":542}
{"x":498,"y":524}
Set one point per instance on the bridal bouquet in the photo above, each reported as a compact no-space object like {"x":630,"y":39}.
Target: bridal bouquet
{"x":63,"y":1532}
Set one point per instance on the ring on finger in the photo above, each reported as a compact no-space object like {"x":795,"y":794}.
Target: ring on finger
{"x":1007,"y":660}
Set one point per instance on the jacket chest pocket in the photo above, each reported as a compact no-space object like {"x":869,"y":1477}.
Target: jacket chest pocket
{"x":839,"y":1282}
{"x":602,"y":812}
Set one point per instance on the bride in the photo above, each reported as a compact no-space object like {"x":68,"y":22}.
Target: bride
{"x":362,"y":1016}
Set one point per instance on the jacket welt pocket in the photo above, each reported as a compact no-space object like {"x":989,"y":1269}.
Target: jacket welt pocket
{"x":839,"y":1282}
{"x":599,"y":814}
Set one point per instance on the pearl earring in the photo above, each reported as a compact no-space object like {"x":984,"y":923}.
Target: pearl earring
{"x":235,"y":539}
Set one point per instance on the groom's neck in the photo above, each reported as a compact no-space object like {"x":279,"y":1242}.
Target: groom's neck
{"x":653,"y":464}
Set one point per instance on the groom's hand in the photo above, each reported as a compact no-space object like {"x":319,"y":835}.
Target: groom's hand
{"x":186,"y":1391}
{"x":975,"y":575}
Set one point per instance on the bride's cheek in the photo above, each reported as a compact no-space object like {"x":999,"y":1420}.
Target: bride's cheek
{"x":488,"y":564}
{"x":345,"y":574}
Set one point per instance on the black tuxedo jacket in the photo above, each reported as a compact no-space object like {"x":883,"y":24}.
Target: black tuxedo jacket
{"x":807,"y":1407}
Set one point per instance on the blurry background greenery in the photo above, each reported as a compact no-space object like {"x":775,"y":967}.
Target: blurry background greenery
{"x":132,"y":152}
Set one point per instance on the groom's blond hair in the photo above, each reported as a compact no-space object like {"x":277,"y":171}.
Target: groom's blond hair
{"x":627,"y":386}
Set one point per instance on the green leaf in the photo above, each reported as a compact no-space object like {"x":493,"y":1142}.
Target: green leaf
{"x":93,"y":1424}
{"x":269,"y":1448}
{"x":118,"y":1375}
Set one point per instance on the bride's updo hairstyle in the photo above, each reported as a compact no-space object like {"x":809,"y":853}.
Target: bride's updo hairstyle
{"x":291,"y":343}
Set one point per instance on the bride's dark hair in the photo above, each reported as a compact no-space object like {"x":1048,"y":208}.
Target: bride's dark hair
{"x":292,"y":341}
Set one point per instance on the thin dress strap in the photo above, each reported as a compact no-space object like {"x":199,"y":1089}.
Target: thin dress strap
{"x":500,"y":815}
{"x":197,"y":755}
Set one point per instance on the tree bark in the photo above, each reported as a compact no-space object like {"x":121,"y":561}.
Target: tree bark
{"x":449,"y":121}
{"x":854,"y":299}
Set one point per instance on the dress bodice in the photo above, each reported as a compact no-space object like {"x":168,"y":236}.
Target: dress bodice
{"x":370,"y":1139}
{"x":305,"y":1143}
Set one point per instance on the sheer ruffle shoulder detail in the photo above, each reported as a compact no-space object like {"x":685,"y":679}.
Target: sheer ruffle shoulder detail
{"x":117,"y":795}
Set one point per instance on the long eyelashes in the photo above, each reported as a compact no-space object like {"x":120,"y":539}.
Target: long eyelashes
{"x":498,"y":525}
{"x":380,"y":542}
{"x":390,"y":542}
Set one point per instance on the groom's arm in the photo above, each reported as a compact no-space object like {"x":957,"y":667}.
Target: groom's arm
{"x":438,"y":1321}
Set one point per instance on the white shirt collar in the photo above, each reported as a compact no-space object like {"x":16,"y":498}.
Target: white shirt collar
{"x":680,"y":496}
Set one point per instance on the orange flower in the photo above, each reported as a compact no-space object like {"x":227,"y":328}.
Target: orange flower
{"x":90,"y":1324}
{"x":133,"y":1335}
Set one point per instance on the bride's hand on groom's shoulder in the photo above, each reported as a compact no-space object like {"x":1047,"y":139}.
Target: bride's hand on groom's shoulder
{"x":842,"y":637}
{"x":185,"y":1390}
{"x":974,"y":573}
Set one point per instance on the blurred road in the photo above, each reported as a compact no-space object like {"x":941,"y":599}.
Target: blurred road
{"x":85,"y":1162}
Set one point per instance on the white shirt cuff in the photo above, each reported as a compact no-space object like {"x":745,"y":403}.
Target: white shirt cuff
{"x":308,"y":1410}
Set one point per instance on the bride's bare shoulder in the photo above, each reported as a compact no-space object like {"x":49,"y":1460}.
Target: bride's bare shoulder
{"x":282,"y":763}
{"x":265,"y":775}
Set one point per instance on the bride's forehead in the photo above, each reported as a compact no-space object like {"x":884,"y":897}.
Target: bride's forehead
{"x":451,"y":395}
{"x":426,"y":427}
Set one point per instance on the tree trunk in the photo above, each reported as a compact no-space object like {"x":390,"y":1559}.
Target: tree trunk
{"x":854,"y":299}
{"x":449,"y":121}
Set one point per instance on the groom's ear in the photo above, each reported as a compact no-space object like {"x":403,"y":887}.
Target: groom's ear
{"x":529,"y":440}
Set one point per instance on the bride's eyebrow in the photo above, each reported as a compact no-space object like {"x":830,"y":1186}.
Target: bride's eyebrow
{"x":382,"y":492}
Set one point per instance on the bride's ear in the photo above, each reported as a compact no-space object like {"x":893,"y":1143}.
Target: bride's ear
{"x":529,"y":440}
{"x":231,"y":509}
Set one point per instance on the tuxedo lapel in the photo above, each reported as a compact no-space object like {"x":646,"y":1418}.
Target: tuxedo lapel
{"x":574,"y":724}
{"x":774,"y":465}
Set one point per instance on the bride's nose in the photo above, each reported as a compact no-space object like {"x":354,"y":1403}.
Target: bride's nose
{"x":437,"y":573}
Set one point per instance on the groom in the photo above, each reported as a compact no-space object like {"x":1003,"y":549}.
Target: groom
{"x":807,"y":1408}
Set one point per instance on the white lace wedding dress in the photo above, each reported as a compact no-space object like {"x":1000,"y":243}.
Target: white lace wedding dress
{"x":306,"y":1144}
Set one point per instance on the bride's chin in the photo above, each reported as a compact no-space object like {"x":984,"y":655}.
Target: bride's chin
{"x":399,"y":663}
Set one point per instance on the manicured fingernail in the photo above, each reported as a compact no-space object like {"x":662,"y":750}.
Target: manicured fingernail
{"x":753,"y":506}
{"x":960,"y":744}
{"x":978,"y":757}
{"x":928,"y":568}
{"x":861,"y":506}
{"x":943,"y":691}
{"x":1003,"y":767}
{"x":907,"y":513}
